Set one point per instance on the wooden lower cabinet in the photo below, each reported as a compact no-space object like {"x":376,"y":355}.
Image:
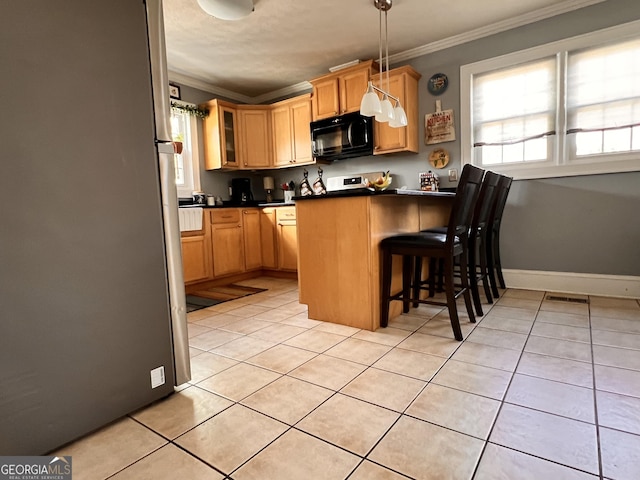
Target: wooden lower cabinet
{"x":227,"y":244}
{"x":268,"y":238}
{"x":238,"y":240}
{"x":196,"y":256}
{"x":251,"y":221}
{"x":287,"y":239}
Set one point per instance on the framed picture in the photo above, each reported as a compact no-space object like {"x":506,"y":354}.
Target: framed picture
{"x":174,"y":91}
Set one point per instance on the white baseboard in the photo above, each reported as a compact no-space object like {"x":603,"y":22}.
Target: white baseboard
{"x":578,"y":283}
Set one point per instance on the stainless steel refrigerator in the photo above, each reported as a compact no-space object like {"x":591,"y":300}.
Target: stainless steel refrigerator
{"x":92,"y":308}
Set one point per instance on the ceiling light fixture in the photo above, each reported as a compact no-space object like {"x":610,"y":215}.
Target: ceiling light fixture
{"x":371,"y":105}
{"x":227,"y":9}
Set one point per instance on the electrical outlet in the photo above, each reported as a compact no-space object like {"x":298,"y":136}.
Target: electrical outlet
{"x":453,"y":175}
{"x":157,"y":377}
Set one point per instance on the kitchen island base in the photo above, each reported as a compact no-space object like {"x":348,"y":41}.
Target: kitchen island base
{"x":339,"y":258}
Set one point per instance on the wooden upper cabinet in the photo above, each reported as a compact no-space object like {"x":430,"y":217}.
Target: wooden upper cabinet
{"x":255,"y":136}
{"x":291,"y":133}
{"x":341,"y":92}
{"x":403,"y":83}
{"x":221,"y":140}
{"x":353,"y":86}
{"x":326,"y":98}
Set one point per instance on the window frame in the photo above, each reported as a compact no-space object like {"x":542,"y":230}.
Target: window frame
{"x":561,"y":163}
{"x":192,"y":166}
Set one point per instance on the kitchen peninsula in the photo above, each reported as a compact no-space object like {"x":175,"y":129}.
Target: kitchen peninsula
{"x":338,"y":249}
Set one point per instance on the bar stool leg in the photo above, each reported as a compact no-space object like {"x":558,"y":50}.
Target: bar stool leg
{"x":386,"y":287}
{"x":464,"y":280}
{"x":407,"y":270}
{"x":417,"y":280}
{"x":473,"y":279}
{"x":451,"y":298}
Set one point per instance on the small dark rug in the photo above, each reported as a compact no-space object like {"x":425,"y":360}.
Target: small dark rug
{"x":214,"y":295}
{"x":196,"y":303}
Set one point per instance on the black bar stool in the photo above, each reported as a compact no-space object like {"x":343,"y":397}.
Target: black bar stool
{"x":494,"y":263}
{"x":447,"y":246}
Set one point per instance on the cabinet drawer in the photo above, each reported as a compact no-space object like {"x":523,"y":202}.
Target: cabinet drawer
{"x":227,"y":215}
{"x":284,"y":214}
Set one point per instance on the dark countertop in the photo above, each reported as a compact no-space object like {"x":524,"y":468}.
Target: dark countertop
{"x":364,"y":192}
{"x":359,"y":192}
{"x":255,"y":203}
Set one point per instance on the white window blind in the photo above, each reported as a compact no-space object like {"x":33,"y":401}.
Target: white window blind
{"x":570,"y":107}
{"x":603,"y":99}
{"x":515,"y":104}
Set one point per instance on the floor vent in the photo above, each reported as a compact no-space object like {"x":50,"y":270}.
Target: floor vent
{"x":566,"y":299}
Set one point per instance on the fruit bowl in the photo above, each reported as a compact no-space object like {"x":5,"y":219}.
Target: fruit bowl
{"x":379,"y":184}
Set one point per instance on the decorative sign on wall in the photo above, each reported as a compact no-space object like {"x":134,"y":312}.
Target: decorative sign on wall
{"x":437,"y":84}
{"x":439,"y":126}
{"x":439,"y":158}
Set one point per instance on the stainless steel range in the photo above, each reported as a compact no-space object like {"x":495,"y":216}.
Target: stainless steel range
{"x":351,"y":182}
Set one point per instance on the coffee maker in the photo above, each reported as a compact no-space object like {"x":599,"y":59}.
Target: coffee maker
{"x":241,"y":191}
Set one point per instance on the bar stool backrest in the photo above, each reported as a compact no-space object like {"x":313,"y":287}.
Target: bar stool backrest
{"x":495,"y":217}
{"x":486,"y":201}
{"x":464,"y":204}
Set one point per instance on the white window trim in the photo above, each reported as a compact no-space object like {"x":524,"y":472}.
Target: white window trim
{"x":195,"y":154}
{"x":561,"y":165}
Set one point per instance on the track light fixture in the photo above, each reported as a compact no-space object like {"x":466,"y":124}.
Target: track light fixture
{"x":384,"y":111}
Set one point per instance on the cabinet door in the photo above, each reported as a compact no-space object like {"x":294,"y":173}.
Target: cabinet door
{"x":353,"y":86}
{"x":287,"y":239}
{"x":281,"y":129}
{"x":251,"y":237}
{"x":211,"y":136}
{"x":301,"y":132}
{"x":388,"y":138}
{"x":326,"y":98}
{"x":196,"y":258}
{"x":228,"y":248}
{"x":287,"y":246}
{"x":255,"y":138}
{"x":268,"y":238}
{"x":403,"y":83}
{"x":229,"y":137}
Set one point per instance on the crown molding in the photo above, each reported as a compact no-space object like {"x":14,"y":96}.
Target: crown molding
{"x":303,"y":87}
{"x":498,"y":27}
{"x":208,"y":87}
{"x":298,"y":88}
{"x":292,"y":90}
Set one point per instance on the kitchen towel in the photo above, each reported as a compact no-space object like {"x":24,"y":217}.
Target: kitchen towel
{"x":190,"y":218}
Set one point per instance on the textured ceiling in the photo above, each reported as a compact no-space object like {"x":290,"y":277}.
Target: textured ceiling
{"x":285,"y":42}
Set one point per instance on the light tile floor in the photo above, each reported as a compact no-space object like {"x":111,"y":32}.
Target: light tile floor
{"x":539,"y":389}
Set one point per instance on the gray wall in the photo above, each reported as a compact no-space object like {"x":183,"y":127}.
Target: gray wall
{"x":582,"y":224}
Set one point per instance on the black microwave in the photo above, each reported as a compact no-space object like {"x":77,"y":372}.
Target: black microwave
{"x":346,"y":136}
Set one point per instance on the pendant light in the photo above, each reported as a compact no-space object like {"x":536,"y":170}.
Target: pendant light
{"x":384,"y":111}
{"x":227,"y":9}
